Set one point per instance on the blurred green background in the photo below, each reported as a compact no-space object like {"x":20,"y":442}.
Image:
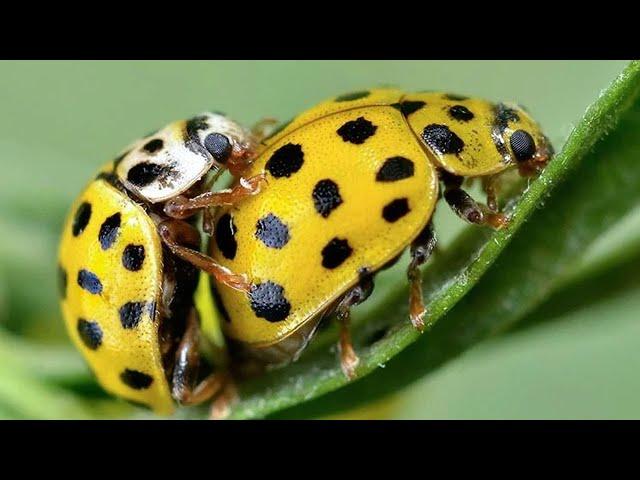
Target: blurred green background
{"x":61,"y":120}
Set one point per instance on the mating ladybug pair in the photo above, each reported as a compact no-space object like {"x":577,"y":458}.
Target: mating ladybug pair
{"x":315,"y":210}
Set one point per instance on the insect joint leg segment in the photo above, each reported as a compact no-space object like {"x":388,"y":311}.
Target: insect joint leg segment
{"x":183,"y":240}
{"x":186,"y":366}
{"x":421,"y":249}
{"x":182,"y":207}
{"x":466,"y":207}
{"x":348,"y":358}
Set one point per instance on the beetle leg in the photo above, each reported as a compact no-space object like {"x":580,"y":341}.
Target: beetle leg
{"x":208,"y":226}
{"x":185,"y":370}
{"x":209,"y":213}
{"x":358,"y":294}
{"x":466,"y":207}
{"x":181,"y":207}
{"x":490,"y":188}
{"x":421,"y":249}
{"x":221,"y":406}
{"x":184,"y":240}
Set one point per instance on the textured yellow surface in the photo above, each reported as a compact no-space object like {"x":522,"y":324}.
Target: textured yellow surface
{"x":94,"y":320}
{"x":297,"y":267}
{"x":479,"y":156}
{"x":382,"y":96}
{"x":347,"y":140}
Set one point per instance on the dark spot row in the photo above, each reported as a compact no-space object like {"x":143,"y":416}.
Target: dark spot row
{"x":133,"y":255}
{"x":268,"y":299}
{"x":91,"y":335}
{"x":130,"y":313}
{"x":440,"y":137}
{"x":274,"y":233}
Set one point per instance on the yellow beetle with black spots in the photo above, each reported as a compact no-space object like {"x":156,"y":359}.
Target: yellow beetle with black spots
{"x":128,"y":259}
{"x":351,"y":183}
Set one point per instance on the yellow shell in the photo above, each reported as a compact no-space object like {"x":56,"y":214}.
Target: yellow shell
{"x":351,"y":183}
{"x":480,"y":131}
{"x":110,"y":264}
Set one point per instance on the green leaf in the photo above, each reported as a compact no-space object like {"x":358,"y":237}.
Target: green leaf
{"x":560,"y":228}
{"x":50,"y":362}
{"x":25,"y":395}
{"x":609,"y":274}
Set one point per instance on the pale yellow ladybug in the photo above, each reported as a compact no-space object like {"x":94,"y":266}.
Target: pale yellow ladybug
{"x":351,"y":183}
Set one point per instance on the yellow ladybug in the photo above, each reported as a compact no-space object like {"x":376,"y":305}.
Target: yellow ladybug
{"x":351,"y":183}
{"x":128,"y":258}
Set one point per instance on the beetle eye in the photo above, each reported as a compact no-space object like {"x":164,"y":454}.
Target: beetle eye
{"x":218,"y":146}
{"x":522,"y":145}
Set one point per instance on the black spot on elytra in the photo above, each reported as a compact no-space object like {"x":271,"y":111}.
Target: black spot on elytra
{"x":131,"y":314}
{"x":394,"y":169}
{"x":135,"y":379}
{"x":326,"y":197}
{"x":395,"y":210}
{"x":272,"y":231}
{"x":62,"y":282}
{"x":225,"y":236}
{"x":357,"y":131}
{"x":195,"y":124}
{"x":133,"y":257}
{"x":81,"y":219}
{"x":504,"y":115}
{"x":268,"y":301}
{"x":285,"y":161}
{"x":441,"y":139}
{"x":89,"y":281}
{"x":335,"y":252}
{"x":145,"y":173}
{"x":90,"y":333}
{"x":348,"y":97}
{"x":218,"y":146}
{"x":523,"y":145}
{"x":409,"y":106}
{"x":192,"y":137}
{"x":461,"y":113}
{"x":109,"y":231}
{"x":455,"y":97}
{"x":152,"y":146}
